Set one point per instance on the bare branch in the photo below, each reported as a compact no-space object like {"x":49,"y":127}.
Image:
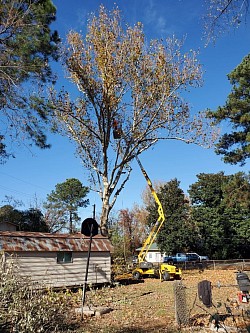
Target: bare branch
{"x":138,"y":86}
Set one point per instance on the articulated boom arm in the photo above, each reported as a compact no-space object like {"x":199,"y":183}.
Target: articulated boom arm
{"x":153,"y":233}
{"x":118,"y":134}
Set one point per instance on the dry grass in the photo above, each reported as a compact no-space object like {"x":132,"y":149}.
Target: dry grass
{"x":149,"y":306}
{"x":144,"y":306}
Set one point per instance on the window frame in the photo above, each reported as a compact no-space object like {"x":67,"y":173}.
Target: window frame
{"x":64,"y":257}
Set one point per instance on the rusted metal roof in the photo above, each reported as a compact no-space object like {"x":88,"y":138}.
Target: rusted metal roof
{"x":17,"y":241}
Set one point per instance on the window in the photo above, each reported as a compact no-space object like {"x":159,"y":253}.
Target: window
{"x":64,"y":257}
{"x":192,"y":256}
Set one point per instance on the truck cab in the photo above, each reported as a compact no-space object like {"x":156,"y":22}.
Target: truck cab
{"x":177,"y":258}
{"x":193,"y":256}
{"x":184,"y":257}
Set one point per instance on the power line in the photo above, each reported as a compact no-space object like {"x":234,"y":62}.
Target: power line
{"x":15,"y":191}
{"x":24,"y":181}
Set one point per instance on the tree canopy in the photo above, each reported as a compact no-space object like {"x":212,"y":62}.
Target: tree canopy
{"x":214,"y":220}
{"x":9,"y":214}
{"x":27,"y":44}
{"x":235,"y":146}
{"x":221,"y":212}
{"x":63,"y":203}
{"x":129,"y":99}
{"x":31,"y":219}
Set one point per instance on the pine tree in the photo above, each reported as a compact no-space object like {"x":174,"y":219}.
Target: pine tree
{"x":27,"y":44}
{"x":235,"y":146}
{"x":221,"y":212}
{"x":65,"y":201}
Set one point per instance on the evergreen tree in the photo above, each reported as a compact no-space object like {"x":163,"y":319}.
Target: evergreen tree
{"x":236,"y":204}
{"x":235,"y":146}
{"x":27,"y":44}
{"x":33,"y":220}
{"x":220,"y":209}
{"x":28,"y":220}
{"x":9,"y":214}
{"x":65,"y":201}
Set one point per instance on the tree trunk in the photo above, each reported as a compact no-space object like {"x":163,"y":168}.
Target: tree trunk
{"x":104,"y":216}
{"x":70,"y":223}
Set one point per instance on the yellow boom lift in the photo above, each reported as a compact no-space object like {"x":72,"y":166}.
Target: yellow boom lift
{"x":166,"y":272}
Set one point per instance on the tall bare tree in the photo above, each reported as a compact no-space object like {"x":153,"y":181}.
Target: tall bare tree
{"x":129,"y":100}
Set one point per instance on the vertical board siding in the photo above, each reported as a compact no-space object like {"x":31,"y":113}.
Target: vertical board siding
{"x":42,"y":267}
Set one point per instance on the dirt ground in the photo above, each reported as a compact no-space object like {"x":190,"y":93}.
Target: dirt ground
{"x":150,"y":306}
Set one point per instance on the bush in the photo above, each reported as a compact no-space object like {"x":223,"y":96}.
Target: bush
{"x":26,"y":307}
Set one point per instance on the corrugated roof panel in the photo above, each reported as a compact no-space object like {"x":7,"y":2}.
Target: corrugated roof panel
{"x":17,"y":241}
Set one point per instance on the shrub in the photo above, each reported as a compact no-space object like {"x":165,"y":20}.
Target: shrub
{"x":26,"y":307}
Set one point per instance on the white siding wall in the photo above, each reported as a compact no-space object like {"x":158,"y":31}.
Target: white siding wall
{"x":154,"y":257}
{"x":43,"y":267}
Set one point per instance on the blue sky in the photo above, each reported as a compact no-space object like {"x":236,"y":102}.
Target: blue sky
{"x":33,"y":174}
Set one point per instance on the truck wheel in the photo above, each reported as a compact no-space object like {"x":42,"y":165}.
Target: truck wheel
{"x":136,"y":275}
{"x":165,"y":276}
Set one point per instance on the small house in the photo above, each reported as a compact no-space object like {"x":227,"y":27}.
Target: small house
{"x":10,"y":226}
{"x":154,"y":254}
{"x":58,"y":260}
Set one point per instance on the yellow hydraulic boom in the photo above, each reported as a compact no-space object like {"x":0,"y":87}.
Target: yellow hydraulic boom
{"x":153,"y":233}
{"x":164,"y":271}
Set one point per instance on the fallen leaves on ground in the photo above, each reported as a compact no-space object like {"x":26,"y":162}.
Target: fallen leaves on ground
{"x":149,"y":305}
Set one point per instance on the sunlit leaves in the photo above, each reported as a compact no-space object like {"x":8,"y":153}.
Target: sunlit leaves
{"x":123,"y":77}
{"x":138,"y":83}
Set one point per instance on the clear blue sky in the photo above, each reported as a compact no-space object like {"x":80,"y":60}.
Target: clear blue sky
{"x":33,"y":174}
